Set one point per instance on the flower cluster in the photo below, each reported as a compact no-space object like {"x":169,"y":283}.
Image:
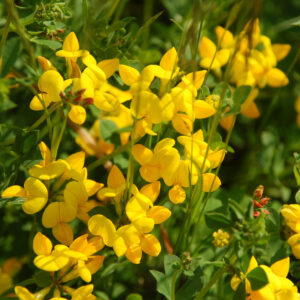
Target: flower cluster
{"x":259,"y":202}
{"x":278,"y":288}
{"x":250,"y":59}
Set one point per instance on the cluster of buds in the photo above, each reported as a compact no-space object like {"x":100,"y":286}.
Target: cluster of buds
{"x":221,"y":238}
{"x":76,"y":97}
{"x":259,"y":201}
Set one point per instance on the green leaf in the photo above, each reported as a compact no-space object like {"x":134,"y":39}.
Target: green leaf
{"x":216,"y":220}
{"x":240,"y":95}
{"x":171,"y":263}
{"x":257,"y":278}
{"x":10,"y":54}
{"x":107,"y":128}
{"x":164,"y":283}
{"x":240,"y":293}
{"x":42,"y":278}
{"x":134,"y":296}
{"x":191,"y":287}
{"x":52,"y":44}
{"x":297,"y":197}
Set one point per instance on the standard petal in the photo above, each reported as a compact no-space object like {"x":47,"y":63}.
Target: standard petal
{"x":102,"y":226}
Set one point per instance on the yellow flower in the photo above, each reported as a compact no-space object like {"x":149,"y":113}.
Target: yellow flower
{"x":70,"y":48}
{"x":24,"y":294}
{"x":210,"y":57}
{"x":85,"y":267}
{"x":101,"y":226}
{"x":291,"y":214}
{"x":141,"y":211}
{"x":167,"y":69}
{"x":48,"y":259}
{"x":220,"y":238}
{"x":106,"y":97}
{"x":34,"y":192}
{"x":47,"y":169}
{"x":50,"y":84}
{"x":294,"y":242}
{"x":146,"y":108}
{"x":132,"y":243}
{"x":162,"y":162}
{"x":278,"y":288}
{"x":183,"y":176}
{"x":116,"y":185}
{"x":52,"y":87}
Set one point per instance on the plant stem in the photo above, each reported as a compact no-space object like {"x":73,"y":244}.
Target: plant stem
{"x":212,"y":281}
{"x":21,"y":31}
{"x":4,"y":37}
{"x":173,"y":288}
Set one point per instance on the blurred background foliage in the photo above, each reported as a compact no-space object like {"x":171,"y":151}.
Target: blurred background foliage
{"x":138,"y":33}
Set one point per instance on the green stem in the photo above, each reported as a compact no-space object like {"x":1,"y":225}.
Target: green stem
{"x":173,"y":290}
{"x":58,"y":141}
{"x":4,"y":37}
{"x":21,"y":31}
{"x":212,"y":281}
{"x":43,"y":117}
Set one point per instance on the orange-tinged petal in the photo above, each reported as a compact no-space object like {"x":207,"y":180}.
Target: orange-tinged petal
{"x":77,"y":114}
{"x":151,"y":190}
{"x":150,"y":173}
{"x":281,"y":267}
{"x":24,"y":294}
{"x":115,"y":178}
{"x":42,"y":245}
{"x":83,"y":292}
{"x":109,"y":66}
{"x":159,"y":214}
{"x":251,"y":111}
{"x":92,"y":187}
{"x":169,"y":60}
{"x":210,"y":182}
{"x":235,"y":282}
{"x":120,"y":246}
{"x":46,"y":154}
{"x":49,"y":171}
{"x":225,"y":37}
{"x":71,"y":42}
{"x":276,"y":78}
{"x":57,"y":212}
{"x":194,"y":78}
{"x":177,"y":194}
{"x":150,"y":245}
{"x":63,"y":233}
{"x":95,"y":263}
{"x":50,"y":83}
{"x":36,"y":196}
{"x":182,"y":123}
{"x":141,"y":154}
{"x":134,"y":253}
{"x":14,"y":191}
{"x":144,"y":225}
{"x":227,"y":122}
{"x":102,"y":226}
{"x":203,"y":109}
{"x":281,"y":50}
{"x":51,"y":263}
{"x":37,"y":102}
{"x":207,"y":48}
{"x":128,"y":74}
